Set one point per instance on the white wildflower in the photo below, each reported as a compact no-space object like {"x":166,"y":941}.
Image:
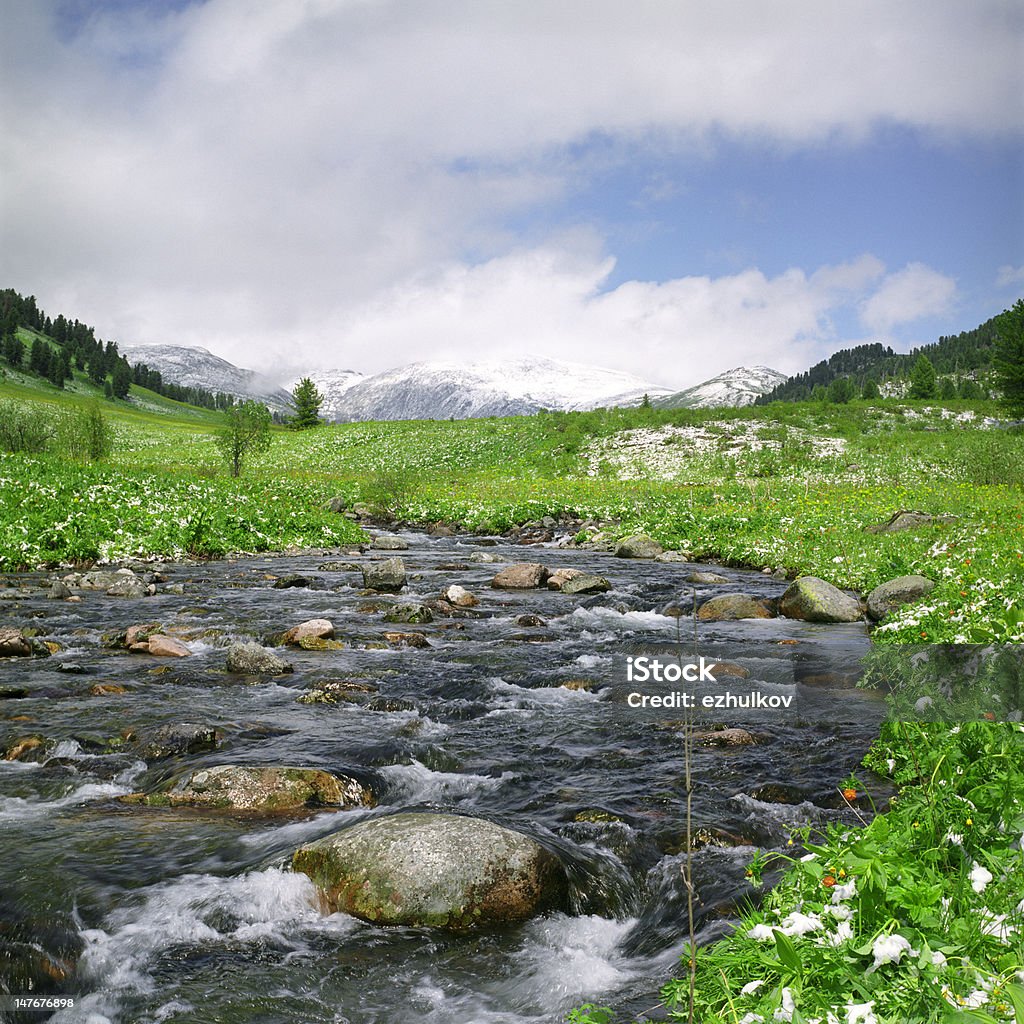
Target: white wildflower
{"x":797,"y":924}
{"x":994,"y":925}
{"x":760,"y":932}
{"x":889,"y":949}
{"x":980,"y":877}
{"x":844,"y":892}
{"x":861,"y":1013}
{"x":785,"y":1011}
{"x":751,"y":987}
{"x":938,"y":959}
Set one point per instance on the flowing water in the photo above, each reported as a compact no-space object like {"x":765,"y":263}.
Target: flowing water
{"x":187,"y":916}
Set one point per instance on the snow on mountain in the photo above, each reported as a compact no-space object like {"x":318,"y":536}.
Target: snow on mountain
{"x":736,"y":387}
{"x":440,"y":390}
{"x":200,"y":368}
{"x":332,"y":385}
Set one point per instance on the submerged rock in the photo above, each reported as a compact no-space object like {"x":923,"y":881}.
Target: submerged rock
{"x":388,"y":575}
{"x":293,"y":580}
{"x":638,"y":546}
{"x":259,"y":788}
{"x":178,"y":738}
{"x":727,"y":607}
{"x":252,"y":659}
{"x":891,"y":595}
{"x":439,"y":870}
{"x":705,"y":578}
{"x":813,"y":600}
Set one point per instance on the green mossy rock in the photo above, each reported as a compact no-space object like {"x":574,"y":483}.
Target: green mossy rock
{"x":814,"y":600}
{"x":434,"y":870}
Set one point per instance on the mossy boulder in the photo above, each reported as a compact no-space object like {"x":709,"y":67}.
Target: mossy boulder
{"x":814,"y":600}
{"x":410,"y":613}
{"x":251,"y":659}
{"x":259,"y":788}
{"x":586,"y":583}
{"x":387,"y":575}
{"x":638,"y":546}
{"x":891,"y":595}
{"x":434,"y":870}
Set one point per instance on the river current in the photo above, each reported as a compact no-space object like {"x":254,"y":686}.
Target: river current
{"x":190,"y":917}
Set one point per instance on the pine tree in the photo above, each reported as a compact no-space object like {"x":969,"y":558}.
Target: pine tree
{"x":307,"y":405}
{"x":922,"y":379}
{"x":1008,"y":358}
{"x":870,"y":390}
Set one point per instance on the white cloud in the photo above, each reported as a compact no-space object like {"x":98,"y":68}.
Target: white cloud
{"x":914,"y":292}
{"x":1010,"y":277}
{"x":270,"y":177}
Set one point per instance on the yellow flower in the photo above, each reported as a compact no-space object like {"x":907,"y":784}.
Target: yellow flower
{"x":969,"y":821}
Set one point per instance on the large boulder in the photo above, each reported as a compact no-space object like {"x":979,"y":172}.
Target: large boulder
{"x":251,"y":659}
{"x":318,"y":629}
{"x":162,"y":646}
{"x":910,"y":520}
{"x":409,"y":612}
{"x":388,"y":542}
{"x":387,"y":575}
{"x":814,"y":600}
{"x":440,"y":870}
{"x":522,"y":576}
{"x":638,"y":546}
{"x":240,"y":787}
{"x":727,"y":607}
{"x":13,"y":643}
{"x":902,"y":590}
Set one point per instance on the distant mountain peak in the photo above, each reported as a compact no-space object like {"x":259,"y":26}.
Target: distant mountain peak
{"x":739,"y":386}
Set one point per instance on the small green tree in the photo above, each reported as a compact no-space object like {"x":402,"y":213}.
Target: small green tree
{"x":870,"y":390}
{"x":307,"y":405}
{"x":841,"y":390}
{"x":922,"y":379}
{"x":947,"y":388}
{"x":1008,"y":358}
{"x":246,"y":431}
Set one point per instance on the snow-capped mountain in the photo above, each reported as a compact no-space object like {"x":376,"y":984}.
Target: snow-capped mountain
{"x":439,"y":390}
{"x":739,"y":386}
{"x":200,"y":368}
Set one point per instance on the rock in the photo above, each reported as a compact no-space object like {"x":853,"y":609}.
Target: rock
{"x":902,"y":590}
{"x":252,"y":659}
{"x":100,"y":579}
{"x":339,"y":567}
{"x":410,"y":613}
{"x":909,"y":520}
{"x":321,"y":629}
{"x":560,"y":576}
{"x":13,"y":643}
{"x":20,"y":748}
{"x":728,"y":670}
{"x":406,"y":639}
{"x":577,"y":684}
{"x":337,"y":504}
{"x":586,"y":584}
{"x":318,"y":643}
{"x":734,"y":737}
{"x":638,"y":546}
{"x":706,"y":578}
{"x":388,"y":542}
{"x":673,"y":556}
{"x":436,"y":870}
{"x":813,"y":600}
{"x":167,"y":647}
{"x":106,"y":689}
{"x":59,"y":591}
{"x":337,"y":691}
{"x":387,"y":575}
{"x":178,"y":738}
{"x":390,"y":704}
{"x":138,"y":634}
{"x":530,"y":621}
{"x":292,"y":580}
{"x":484,"y":556}
{"x":128,"y":586}
{"x":14,"y":692}
{"x":521,"y":576}
{"x":259,"y":788}
{"x":459,"y":596}
{"x":727,"y":607}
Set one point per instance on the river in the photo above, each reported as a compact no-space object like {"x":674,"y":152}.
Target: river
{"x":191,"y":917}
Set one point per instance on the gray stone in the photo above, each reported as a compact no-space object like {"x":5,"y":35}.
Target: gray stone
{"x":638,"y":546}
{"x":58,"y":591}
{"x":178,"y":738}
{"x":459,"y":596}
{"x":387,"y":575}
{"x":320,"y":629}
{"x":337,"y":504}
{"x":814,"y":600}
{"x":909,"y":520}
{"x":891,"y":595}
{"x":292,"y":580}
{"x":673,"y":556}
{"x":167,"y":647}
{"x":252,"y":659}
{"x":388,"y":542}
{"x":727,"y":607}
{"x":127,"y":586}
{"x":586,"y":583}
{"x":706,"y":578}
{"x":560,"y":576}
{"x":439,"y":870}
{"x":522,"y":576}
{"x":409,"y":613}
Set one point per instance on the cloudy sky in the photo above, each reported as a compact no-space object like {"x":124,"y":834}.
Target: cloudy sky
{"x":672,"y":187}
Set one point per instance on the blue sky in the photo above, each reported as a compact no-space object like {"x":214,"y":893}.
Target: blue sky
{"x":667,"y":188}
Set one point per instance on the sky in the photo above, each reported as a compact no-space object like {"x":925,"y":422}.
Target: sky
{"x":667,"y":187}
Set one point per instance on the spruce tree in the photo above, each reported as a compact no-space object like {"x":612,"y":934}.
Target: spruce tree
{"x":1008,"y":358}
{"x":922,"y":379}
{"x":307,"y":405}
